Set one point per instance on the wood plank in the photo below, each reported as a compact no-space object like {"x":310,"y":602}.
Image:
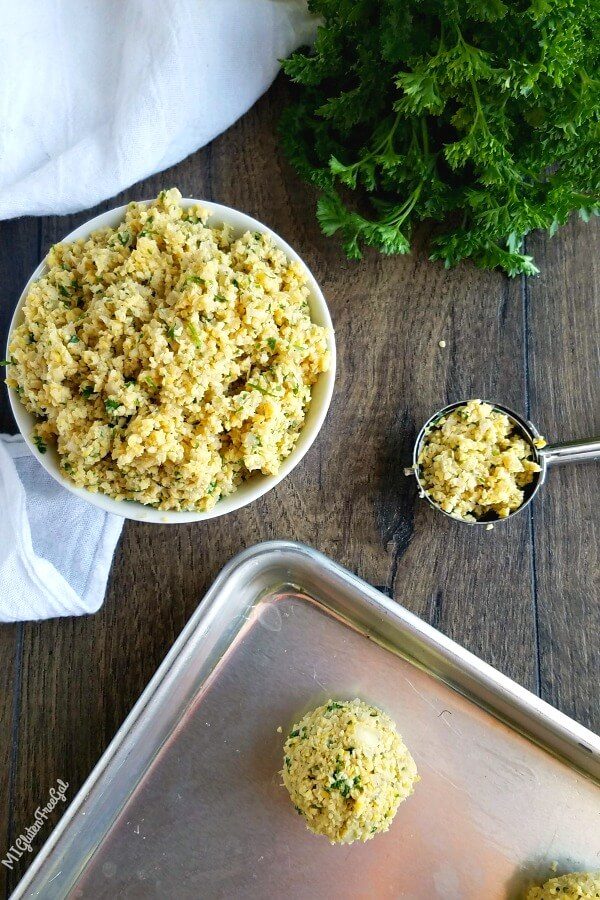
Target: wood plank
{"x":564,"y":366}
{"x":10,"y":644}
{"x":19,"y":250}
{"x":475,"y":585}
{"x":19,"y":255}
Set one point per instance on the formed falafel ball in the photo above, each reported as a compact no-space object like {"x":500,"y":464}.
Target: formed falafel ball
{"x":347,"y":770}
{"x":574,"y":886}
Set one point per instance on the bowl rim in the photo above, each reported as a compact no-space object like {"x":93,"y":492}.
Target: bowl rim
{"x":259,"y":484}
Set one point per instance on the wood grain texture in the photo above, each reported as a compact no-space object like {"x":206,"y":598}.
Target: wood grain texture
{"x":348,"y":497}
{"x":563,"y":317}
{"x":10,"y":654}
{"x":19,"y":254}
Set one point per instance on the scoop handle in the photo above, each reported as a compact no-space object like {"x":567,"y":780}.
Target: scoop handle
{"x":571,"y":451}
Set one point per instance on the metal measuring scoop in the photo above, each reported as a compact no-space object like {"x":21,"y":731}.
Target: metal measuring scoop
{"x":568,"y":451}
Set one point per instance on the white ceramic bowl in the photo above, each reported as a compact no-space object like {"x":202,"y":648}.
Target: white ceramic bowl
{"x":255,"y":486}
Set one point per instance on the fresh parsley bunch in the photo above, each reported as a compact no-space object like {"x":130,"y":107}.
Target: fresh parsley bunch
{"x":482,"y":115}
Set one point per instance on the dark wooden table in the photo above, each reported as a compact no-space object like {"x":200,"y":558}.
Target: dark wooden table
{"x":525,"y":596}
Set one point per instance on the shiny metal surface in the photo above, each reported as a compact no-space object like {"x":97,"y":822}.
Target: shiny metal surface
{"x":567,"y":451}
{"x":571,"y":451}
{"x":187,"y":802}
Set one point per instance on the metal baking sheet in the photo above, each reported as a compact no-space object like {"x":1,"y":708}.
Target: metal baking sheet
{"x":187,"y":801}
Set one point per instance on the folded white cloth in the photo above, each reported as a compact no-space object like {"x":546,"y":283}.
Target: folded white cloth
{"x":97,"y":94}
{"x":55,"y":550}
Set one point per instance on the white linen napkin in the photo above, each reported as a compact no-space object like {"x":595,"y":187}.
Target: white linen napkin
{"x":97,"y":94}
{"x":55,"y":550}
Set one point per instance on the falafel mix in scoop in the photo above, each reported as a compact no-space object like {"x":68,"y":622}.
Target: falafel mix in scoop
{"x":473,"y":462}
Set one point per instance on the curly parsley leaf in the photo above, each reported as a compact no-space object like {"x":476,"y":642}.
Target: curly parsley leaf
{"x":482,"y":116}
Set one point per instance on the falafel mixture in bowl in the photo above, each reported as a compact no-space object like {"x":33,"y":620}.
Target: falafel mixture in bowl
{"x":166,"y":359}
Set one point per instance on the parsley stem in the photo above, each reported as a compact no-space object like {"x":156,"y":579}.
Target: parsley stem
{"x":386,"y":142}
{"x":425,"y":135}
